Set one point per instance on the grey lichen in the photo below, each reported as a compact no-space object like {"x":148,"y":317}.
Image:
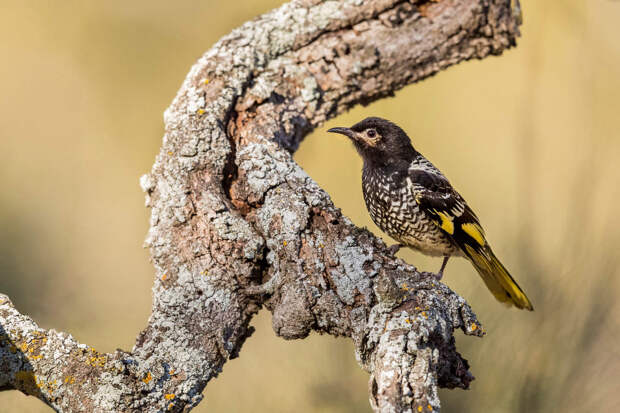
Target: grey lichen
{"x":353,"y":279}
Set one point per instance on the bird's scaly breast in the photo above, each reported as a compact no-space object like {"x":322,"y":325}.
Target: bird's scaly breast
{"x":392,"y":206}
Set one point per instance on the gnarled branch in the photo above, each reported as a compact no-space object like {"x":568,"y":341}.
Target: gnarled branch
{"x":236,"y":224}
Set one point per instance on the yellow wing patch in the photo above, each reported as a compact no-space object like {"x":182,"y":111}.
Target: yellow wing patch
{"x":446,"y":222}
{"x":475,"y":231}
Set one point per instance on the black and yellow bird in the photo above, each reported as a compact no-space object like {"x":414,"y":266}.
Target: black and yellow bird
{"x":413,"y":202}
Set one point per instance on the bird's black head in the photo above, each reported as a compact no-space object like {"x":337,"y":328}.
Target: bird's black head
{"x":379,"y":141}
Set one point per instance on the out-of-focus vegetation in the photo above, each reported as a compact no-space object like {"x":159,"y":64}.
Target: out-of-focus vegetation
{"x":530,"y":139}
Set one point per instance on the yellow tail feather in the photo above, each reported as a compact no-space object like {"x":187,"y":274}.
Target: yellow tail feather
{"x":497,"y":278}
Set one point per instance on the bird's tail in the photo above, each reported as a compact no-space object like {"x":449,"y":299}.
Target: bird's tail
{"x":497,"y":278}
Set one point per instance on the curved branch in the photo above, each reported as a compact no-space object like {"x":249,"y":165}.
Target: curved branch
{"x":236,"y":224}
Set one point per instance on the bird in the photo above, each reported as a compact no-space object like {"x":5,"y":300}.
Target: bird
{"x":408,"y":198}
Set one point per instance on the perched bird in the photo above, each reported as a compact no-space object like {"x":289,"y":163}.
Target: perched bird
{"x":413,"y":202}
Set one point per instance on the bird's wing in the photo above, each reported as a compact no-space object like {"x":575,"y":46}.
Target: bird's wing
{"x":449,"y":211}
{"x":446,"y":208}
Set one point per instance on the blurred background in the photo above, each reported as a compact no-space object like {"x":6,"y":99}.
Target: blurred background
{"x":530,"y":139}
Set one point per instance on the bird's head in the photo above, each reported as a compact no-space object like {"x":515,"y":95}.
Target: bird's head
{"x":379,"y":141}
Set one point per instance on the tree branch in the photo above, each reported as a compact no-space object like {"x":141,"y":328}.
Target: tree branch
{"x":236,"y":224}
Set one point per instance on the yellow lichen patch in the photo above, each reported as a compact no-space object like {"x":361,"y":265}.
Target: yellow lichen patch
{"x":474,"y":327}
{"x":423,"y":313}
{"x":49,"y":387}
{"x":201,"y":111}
{"x":38,"y":335}
{"x":170,"y":406}
{"x":163,"y":277}
{"x":170,"y":153}
{"x":206,"y":81}
{"x":172,"y":372}
{"x":69,"y":380}
{"x":285,"y":243}
{"x":407,"y":321}
{"x":405,"y":287}
{"x":420,"y":408}
{"x":429,"y":407}
{"x":26,"y":381}
{"x":96,"y":359}
{"x":31,"y":346}
{"x":169,"y":396}
{"x":147,"y":378}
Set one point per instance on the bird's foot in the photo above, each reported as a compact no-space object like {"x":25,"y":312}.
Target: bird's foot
{"x":395,"y":248}
{"x":439,"y":275}
{"x":427,"y":274}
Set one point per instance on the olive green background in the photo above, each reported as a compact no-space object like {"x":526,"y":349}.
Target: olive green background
{"x":530,"y":139}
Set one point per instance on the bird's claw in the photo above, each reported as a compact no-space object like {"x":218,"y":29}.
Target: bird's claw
{"x":436,"y":276}
{"x":395,"y":248}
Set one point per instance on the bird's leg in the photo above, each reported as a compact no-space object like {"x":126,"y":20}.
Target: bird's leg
{"x":438,"y":276}
{"x":443,"y":266}
{"x":395,"y":248}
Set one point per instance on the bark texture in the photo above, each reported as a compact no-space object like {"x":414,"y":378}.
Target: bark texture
{"x":236,"y":224}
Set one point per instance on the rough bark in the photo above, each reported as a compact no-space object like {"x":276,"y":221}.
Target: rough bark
{"x":236,"y":224}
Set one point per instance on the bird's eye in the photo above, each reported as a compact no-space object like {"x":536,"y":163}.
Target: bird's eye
{"x":371,"y":133}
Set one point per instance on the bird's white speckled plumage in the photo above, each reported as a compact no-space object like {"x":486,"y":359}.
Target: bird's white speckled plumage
{"x":390,"y":199}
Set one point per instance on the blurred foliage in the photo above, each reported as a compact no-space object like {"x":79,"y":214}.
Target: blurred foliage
{"x":530,"y":139}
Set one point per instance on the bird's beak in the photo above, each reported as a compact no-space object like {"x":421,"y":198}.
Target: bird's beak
{"x":355,"y":136}
{"x":343,"y":131}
